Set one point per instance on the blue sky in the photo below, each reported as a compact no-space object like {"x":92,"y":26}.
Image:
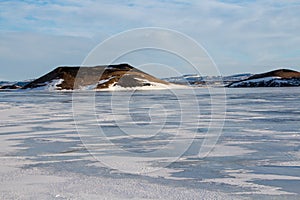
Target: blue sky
{"x":240,"y":36}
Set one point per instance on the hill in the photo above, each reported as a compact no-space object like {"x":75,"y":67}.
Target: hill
{"x":98,"y":77}
{"x":276,"y":78}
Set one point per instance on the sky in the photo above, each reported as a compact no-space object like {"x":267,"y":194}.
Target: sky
{"x":240,"y":36}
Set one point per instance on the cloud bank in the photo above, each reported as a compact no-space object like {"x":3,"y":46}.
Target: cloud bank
{"x":241,"y":36}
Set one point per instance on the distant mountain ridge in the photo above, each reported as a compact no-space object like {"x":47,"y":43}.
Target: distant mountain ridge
{"x":125,"y":76}
{"x":197,"y":80}
{"x":13,"y":84}
{"x":275,"y":78}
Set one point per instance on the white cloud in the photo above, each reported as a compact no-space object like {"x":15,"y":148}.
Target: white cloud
{"x":240,"y":35}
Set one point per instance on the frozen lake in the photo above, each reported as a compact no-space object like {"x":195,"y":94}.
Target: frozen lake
{"x":147,"y":144}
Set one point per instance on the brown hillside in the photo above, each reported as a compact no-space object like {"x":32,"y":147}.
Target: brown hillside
{"x":123,"y":75}
{"x":283,"y":73}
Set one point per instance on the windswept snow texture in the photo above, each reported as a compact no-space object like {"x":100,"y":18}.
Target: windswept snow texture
{"x":256,"y":157}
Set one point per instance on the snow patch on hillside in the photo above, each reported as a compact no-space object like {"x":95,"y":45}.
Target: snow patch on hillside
{"x":50,"y":86}
{"x":272,"y":81}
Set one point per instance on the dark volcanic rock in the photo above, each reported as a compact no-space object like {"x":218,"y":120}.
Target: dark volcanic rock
{"x":276,"y":78}
{"x":98,"y":77}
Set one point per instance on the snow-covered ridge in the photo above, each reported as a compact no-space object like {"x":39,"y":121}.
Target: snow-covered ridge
{"x":268,"y":82}
{"x":6,"y":85}
{"x":276,"y":78}
{"x":197,"y":80}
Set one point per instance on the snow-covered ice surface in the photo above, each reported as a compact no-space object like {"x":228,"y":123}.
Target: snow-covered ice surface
{"x":257,"y":155}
